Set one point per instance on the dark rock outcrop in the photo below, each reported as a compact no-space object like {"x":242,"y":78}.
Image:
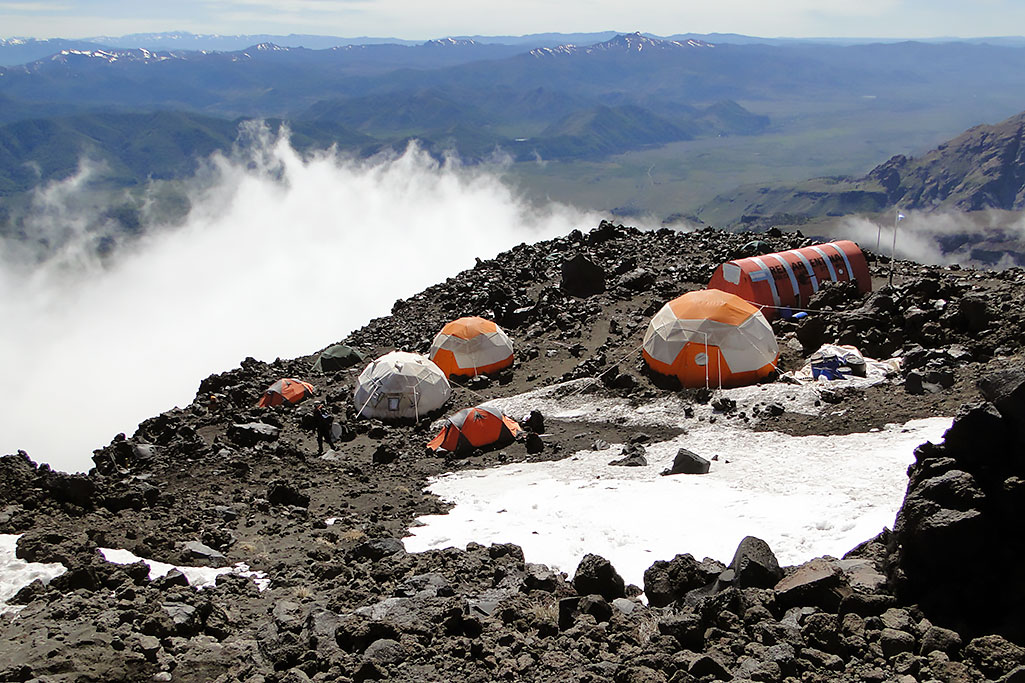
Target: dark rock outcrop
{"x":959,"y":518}
{"x":582,"y":277}
{"x":596,"y":575}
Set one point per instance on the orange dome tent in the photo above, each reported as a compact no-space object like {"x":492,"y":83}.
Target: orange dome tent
{"x":474,"y":428}
{"x":288,"y":389}
{"x":471,"y":346}
{"x":710,"y":338}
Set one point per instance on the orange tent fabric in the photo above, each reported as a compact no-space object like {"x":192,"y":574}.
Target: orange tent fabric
{"x":471,"y":346}
{"x":790,"y":279}
{"x":474,"y":428}
{"x":710,"y":338}
{"x":288,"y":389}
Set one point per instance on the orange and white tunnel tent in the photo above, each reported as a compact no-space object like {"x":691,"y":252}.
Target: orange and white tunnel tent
{"x":710,"y":338}
{"x":789,"y":279}
{"x":287,"y":389}
{"x":400,"y":385}
{"x":474,"y":428}
{"x":471,"y":346}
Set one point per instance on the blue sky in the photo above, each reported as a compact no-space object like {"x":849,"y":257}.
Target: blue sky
{"x":417,"y":19}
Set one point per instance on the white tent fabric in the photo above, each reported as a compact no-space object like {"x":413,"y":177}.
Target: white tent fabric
{"x":745,"y":347}
{"x":400,"y":385}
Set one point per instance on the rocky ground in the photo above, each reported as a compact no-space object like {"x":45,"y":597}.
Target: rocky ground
{"x":218,"y":482}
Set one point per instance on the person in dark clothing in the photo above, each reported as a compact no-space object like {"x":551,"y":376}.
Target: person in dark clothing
{"x":323,"y":421}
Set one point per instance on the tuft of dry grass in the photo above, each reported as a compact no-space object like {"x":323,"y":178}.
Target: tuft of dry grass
{"x":256,"y":552}
{"x":647,"y":626}
{"x":352,"y":535}
{"x":544,"y":612}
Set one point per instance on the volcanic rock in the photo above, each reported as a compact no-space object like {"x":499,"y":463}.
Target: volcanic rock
{"x":667,"y":582}
{"x":199,"y":550}
{"x":533,"y":443}
{"x":582,"y":277}
{"x":535,"y":422}
{"x":687,"y":462}
{"x":282,"y":492}
{"x":252,"y":433}
{"x":596,"y":575}
{"x":754,"y":564}
{"x":633,"y":456}
{"x":818,"y":583}
{"x":956,"y":510}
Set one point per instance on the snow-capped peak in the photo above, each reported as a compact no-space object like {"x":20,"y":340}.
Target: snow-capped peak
{"x":624,"y":42}
{"x":446,"y":42}
{"x":111,"y":56}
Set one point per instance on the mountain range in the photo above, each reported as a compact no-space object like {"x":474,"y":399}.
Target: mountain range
{"x":983,"y":168}
{"x":15,"y":51}
{"x":693,"y":116}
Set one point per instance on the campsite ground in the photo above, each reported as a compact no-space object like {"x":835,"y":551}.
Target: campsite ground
{"x":266,"y":502}
{"x":378,"y":477}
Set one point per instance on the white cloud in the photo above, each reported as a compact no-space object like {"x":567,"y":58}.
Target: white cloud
{"x":279,"y":256}
{"x":419,"y":20}
{"x":35,"y":7}
{"x":940,"y":238}
{"x":292,"y":5}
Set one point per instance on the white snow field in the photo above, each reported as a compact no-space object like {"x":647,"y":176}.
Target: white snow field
{"x":805,"y":496}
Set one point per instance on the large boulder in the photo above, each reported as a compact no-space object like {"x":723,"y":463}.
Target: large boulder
{"x":281,"y":492}
{"x":687,"y":462}
{"x":596,"y":576}
{"x":964,"y":501}
{"x":667,"y":582}
{"x":252,"y":433}
{"x":582,"y":277}
{"x":818,"y":583}
{"x":994,"y":655}
{"x":754,"y":565}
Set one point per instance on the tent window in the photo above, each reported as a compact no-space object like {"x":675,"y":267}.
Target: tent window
{"x":701,"y":359}
{"x":393,"y":403}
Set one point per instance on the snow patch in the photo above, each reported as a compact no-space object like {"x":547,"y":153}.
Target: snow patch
{"x":805,"y":496}
{"x":16,"y":573}
{"x":198,"y":577}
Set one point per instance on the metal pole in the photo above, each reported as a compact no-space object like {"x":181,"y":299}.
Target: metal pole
{"x":893,"y":250}
{"x":706,"y":360}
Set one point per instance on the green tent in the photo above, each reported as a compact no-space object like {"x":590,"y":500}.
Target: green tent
{"x":338,"y":357}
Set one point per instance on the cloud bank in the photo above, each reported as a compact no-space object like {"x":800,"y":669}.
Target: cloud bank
{"x":279,"y":256}
{"x":981,"y":239}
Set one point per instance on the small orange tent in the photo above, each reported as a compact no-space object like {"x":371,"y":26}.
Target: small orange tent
{"x":471,"y":346}
{"x":710,"y":338}
{"x":288,"y":389}
{"x":474,"y":428}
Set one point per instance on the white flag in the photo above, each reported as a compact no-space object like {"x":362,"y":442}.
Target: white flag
{"x":900,"y":216}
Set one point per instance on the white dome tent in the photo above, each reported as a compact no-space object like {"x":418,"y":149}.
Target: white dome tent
{"x":400,"y":385}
